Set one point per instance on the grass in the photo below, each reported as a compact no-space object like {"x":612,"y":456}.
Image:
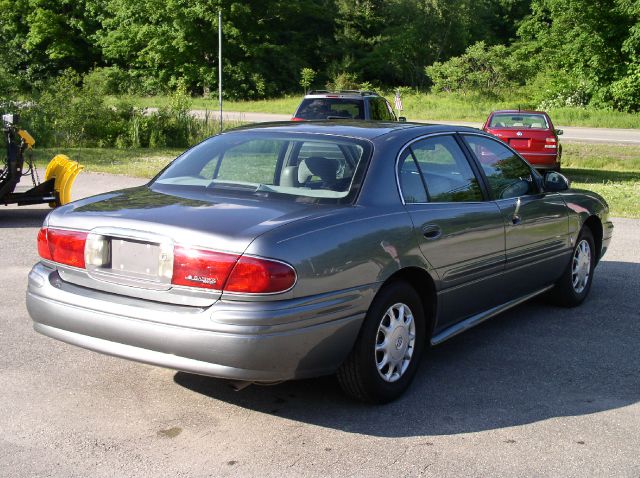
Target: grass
{"x":610,"y":170}
{"x":423,"y":106}
{"x":138,"y":162}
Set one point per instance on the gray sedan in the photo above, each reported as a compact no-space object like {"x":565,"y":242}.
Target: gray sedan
{"x":293,"y":250}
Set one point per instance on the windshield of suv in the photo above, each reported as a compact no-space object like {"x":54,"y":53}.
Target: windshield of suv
{"x":303,"y":166}
{"x":330,"y":108}
{"x":518,"y":120}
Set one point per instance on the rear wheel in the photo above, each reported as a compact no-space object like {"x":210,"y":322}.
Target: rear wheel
{"x":574,"y":285}
{"x":385,"y":356}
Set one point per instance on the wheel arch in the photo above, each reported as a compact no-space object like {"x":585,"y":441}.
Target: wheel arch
{"x":595,"y":226}
{"x":424,"y":285}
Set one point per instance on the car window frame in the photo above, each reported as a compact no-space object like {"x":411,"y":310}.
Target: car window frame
{"x":537,"y":178}
{"x":477,"y":171}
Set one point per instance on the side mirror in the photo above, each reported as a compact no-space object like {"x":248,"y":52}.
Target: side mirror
{"x":402,"y":119}
{"x":555,"y":182}
{"x":559,"y":132}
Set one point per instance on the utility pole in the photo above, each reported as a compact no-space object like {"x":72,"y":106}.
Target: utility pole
{"x":220,"y":64}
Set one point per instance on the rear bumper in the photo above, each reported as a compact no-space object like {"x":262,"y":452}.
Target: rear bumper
{"x":252,"y":341}
{"x":542,"y":160}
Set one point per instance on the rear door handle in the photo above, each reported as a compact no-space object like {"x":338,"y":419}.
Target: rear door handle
{"x":431,"y":231}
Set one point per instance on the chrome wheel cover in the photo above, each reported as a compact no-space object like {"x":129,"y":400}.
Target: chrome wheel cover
{"x":395,"y":342}
{"x":581,"y":266}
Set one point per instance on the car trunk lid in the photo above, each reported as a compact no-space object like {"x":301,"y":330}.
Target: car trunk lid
{"x":137,"y":230}
{"x":524,"y":140}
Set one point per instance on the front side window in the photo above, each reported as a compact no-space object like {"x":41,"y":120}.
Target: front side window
{"x":438,"y":166}
{"x":507,"y":174}
{"x":254,"y":163}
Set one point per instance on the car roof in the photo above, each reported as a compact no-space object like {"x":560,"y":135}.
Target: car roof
{"x":354,"y":94}
{"x":532,"y":112}
{"x":353,"y":128}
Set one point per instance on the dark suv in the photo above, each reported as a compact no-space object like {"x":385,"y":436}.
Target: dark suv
{"x":344,"y":104}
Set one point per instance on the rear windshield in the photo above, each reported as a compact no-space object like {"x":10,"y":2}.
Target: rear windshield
{"x":315,"y":167}
{"x":518,"y":120}
{"x":330,"y":108}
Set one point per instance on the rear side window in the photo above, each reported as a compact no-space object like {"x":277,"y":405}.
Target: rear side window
{"x":436,"y":170}
{"x":507,"y":174}
{"x":330,"y":108}
{"x":380,"y":110}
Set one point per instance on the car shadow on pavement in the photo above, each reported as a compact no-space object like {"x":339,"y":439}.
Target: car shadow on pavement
{"x":23,"y":217}
{"x":533,"y":363}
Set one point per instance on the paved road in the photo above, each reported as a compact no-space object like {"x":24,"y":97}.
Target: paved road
{"x":538,"y":391}
{"x":571,"y":133}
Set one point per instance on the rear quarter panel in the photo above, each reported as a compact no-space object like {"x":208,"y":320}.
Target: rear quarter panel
{"x":345,"y":248}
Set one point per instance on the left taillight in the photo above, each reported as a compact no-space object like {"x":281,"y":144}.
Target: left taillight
{"x":63,"y":246}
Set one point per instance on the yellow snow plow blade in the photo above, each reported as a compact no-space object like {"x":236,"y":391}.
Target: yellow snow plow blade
{"x":64,"y":171}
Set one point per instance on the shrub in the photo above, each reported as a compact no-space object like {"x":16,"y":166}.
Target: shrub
{"x":558,"y":89}
{"x":71,"y":112}
{"x":344,"y":81}
{"x":307,"y":75}
{"x":480,"y":69}
{"x":106,"y":81}
{"x":626,"y":91}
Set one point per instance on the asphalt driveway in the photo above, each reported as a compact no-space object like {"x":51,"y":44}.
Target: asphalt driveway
{"x":538,"y":391}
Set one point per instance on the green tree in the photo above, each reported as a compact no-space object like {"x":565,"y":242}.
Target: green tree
{"x":580,"y":40}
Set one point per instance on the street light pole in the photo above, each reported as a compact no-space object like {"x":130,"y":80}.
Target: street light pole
{"x":220,"y":64}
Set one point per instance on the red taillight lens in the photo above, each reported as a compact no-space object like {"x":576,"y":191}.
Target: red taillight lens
{"x":199,"y":268}
{"x":260,"y":276}
{"x":65,"y":247}
{"x":43,"y":244}
{"x":550,"y":140}
{"x":297,"y":119}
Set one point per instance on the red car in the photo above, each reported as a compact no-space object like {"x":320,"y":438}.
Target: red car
{"x":530,"y":133}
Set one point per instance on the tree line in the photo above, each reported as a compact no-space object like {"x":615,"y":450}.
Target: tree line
{"x":569,"y":52}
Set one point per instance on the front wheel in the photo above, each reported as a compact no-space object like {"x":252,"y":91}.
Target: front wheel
{"x":385,"y":357}
{"x":574,"y":285}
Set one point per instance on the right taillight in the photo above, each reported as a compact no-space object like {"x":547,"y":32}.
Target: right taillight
{"x":201,"y":268}
{"x":253,"y":275}
{"x":230,"y":272}
{"x":297,"y":119}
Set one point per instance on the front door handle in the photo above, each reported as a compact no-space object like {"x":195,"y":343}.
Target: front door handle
{"x":516,"y":219}
{"x":431,"y":231}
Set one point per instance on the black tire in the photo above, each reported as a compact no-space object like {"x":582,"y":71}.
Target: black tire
{"x":359,"y":375}
{"x":572,"y":289}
